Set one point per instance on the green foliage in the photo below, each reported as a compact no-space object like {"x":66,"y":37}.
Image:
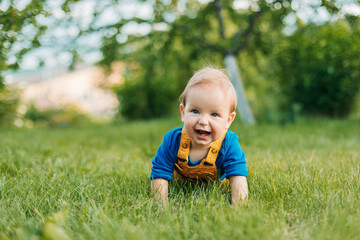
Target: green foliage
{"x":9,"y":100}
{"x":19,"y":32}
{"x":63,"y":117}
{"x":93,"y":183}
{"x":319,"y":68}
{"x":143,"y":100}
{"x":22,"y":24}
{"x":178,"y":42}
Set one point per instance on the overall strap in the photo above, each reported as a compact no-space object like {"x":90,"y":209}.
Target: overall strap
{"x":184,"y":148}
{"x":214,"y":151}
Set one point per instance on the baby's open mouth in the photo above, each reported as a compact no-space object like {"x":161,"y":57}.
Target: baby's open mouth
{"x":203,"y":133}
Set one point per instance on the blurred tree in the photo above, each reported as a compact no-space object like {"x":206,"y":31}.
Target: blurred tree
{"x":19,"y":32}
{"x":21,"y":26}
{"x":319,"y":68}
{"x":173,"y":41}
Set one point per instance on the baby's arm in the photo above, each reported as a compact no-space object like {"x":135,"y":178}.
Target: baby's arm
{"x":239,"y":189}
{"x":159,"y":187}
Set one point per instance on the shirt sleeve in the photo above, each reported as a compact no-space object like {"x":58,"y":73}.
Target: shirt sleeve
{"x":163,"y":162}
{"x":234,"y":162}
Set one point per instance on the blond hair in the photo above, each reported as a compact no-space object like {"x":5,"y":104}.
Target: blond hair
{"x":210,"y":75}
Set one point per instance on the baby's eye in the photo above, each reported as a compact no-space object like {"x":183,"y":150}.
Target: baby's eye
{"x":195,"y":111}
{"x":214,"y":115}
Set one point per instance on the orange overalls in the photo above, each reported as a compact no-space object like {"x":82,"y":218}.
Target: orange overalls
{"x":206,"y":170}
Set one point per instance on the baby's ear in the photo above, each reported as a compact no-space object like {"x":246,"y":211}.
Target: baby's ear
{"x":230,"y":119}
{"x":182,"y":111}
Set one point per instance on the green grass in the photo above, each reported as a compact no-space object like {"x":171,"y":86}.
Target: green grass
{"x":91,"y":182}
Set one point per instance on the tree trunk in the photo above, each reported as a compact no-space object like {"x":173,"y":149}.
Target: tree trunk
{"x":243,"y":106}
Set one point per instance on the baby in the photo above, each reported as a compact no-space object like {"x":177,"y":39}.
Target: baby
{"x":203,"y":149}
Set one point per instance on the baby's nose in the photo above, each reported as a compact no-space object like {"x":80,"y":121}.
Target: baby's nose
{"x":203,"y":120}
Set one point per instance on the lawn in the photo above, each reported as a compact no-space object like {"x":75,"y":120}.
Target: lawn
{"x":91,"y":182}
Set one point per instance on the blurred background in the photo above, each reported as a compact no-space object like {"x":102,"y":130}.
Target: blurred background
{"x":79,"y":61}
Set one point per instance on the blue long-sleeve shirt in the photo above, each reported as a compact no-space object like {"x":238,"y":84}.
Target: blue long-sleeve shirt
{"x":229,"y":162}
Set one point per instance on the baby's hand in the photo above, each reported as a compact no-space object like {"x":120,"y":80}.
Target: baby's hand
{"x":239,"y":190}
{"x":160,"y":187}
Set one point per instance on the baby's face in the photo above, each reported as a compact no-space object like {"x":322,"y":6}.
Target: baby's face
{"x":206,"y":115}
